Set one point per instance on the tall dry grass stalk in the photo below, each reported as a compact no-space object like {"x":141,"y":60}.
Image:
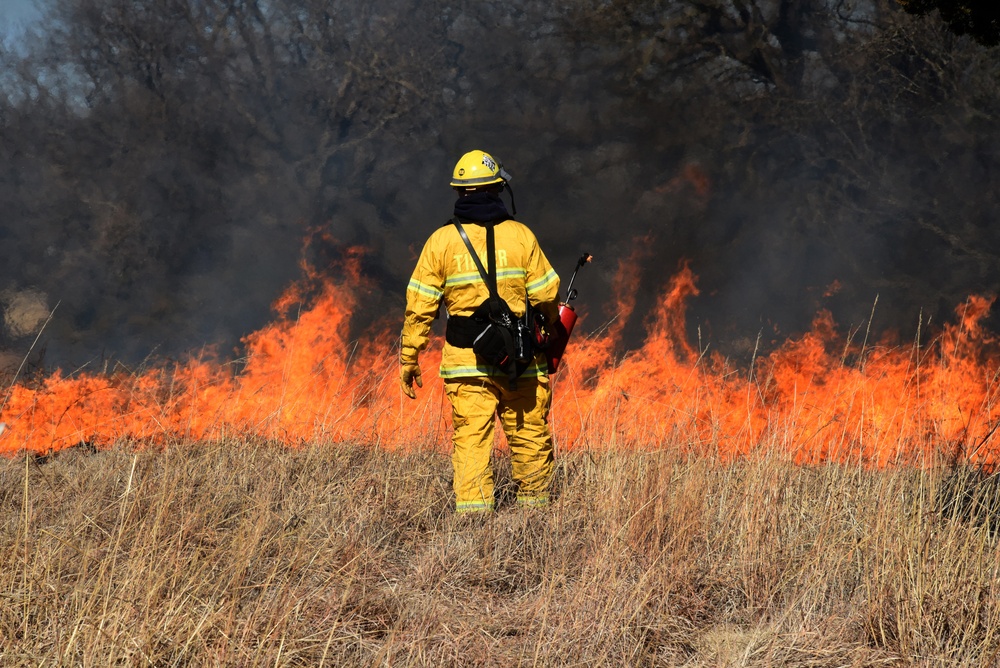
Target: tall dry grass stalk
{"x":245,"y":554}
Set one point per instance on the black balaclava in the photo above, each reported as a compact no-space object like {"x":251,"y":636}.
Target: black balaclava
{"x":481,"y":207}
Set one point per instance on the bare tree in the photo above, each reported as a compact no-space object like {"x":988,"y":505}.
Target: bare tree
{"x":977,"y":18}
{"x":164,"y":160}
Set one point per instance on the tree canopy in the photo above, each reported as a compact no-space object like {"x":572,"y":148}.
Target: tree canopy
{"x":979,"y":19}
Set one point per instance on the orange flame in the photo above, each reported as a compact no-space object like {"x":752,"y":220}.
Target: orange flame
{"x":303,"y":380}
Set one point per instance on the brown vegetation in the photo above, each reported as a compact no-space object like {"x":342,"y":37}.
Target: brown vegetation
{"x":248,"y":554}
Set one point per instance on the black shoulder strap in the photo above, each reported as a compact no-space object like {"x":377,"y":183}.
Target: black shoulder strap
{"x":489,"y":275}
{"x":490,"y":278}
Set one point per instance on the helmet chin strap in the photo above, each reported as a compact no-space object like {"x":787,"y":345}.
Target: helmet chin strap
{"x":513,"y":207}
{"x":505,"y":175}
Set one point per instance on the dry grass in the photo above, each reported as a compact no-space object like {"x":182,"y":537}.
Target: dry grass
{"x":245,"y":554}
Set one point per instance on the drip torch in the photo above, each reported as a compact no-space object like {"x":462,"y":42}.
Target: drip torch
{"x":567,"y":319}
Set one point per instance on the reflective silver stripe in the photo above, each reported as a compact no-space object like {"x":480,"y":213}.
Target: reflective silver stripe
{"x":476,"y":182}
{"x":512,"y":273}
{"x":533,"y":501}
{"x":424,"y":289}
{"x":458,"y":279}
{"x":533,"y":371}
{"x":461,"y":279}
{"x":461,"y":371}
{"x":548,"y":278}
{"x":472,"y":506}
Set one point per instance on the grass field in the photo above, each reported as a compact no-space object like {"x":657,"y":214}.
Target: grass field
{"x":246,"y":554}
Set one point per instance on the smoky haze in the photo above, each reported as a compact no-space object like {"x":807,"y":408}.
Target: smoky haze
{"x":167,"y":164}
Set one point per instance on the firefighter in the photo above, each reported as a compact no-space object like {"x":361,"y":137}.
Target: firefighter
{"x":446,"y":273}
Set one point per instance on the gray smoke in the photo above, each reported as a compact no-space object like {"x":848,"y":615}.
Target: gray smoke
{"x":165,"y":162}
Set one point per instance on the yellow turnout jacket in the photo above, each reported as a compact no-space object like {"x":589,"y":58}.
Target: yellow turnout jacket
{"x":446,"y":272}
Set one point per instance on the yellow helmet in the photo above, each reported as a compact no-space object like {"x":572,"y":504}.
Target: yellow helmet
{"x":476,"y":169}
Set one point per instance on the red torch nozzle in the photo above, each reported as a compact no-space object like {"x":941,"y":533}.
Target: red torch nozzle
{"x":567,"y":318}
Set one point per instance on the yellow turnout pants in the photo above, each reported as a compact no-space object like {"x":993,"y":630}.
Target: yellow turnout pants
{"x":524,"y":415}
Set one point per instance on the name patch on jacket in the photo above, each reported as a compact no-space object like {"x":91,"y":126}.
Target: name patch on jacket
{"x":464,"y":262}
